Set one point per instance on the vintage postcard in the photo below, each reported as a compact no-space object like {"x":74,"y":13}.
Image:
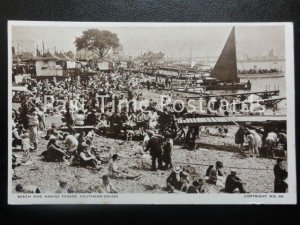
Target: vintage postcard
{"x":151,"y":113}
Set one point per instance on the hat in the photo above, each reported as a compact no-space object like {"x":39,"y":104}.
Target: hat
{"x":177,"y":169}
{"x":233,"y":170}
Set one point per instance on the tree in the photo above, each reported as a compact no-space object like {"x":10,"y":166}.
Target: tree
{"x":152,"y":57}
{"x":97,"y":41}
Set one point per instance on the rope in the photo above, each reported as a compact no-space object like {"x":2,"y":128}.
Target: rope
{"x":232,"y":167}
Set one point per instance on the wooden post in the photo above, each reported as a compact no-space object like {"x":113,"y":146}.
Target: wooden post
{"x":72,"y":81}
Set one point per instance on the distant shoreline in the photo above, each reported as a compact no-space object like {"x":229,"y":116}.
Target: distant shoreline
{"x":261,"y":75}
{"x":260,"y":60}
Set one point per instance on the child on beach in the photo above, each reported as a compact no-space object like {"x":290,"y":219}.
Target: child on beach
{"x":26,"y":145}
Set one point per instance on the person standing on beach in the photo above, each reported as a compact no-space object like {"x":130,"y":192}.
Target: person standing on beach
{"x":167,"y":154}
{"x":148,"y":85}
{"x":154,"y":145}
{"x":33,"y":123}
{"x":240,"y":137}
{"x":280,"y":186}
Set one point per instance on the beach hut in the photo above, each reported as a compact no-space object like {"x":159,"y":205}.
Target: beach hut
{"x":106,"y":65}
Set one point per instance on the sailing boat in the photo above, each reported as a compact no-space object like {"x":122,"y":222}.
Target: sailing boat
{"x":224,"y":74}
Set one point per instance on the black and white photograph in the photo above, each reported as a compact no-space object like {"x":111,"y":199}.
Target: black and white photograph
{"x":151,"y":113}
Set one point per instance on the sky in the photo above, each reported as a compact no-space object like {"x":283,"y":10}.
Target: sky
{"x":174,"y":41}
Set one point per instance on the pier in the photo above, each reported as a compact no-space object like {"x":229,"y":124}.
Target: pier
{"x":242,"y":95}
{"x":226,"y":120}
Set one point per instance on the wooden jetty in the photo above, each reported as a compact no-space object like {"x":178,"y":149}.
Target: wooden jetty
{"x":242,"y":95}
{"x":268,"y":101}
{"x":226,"y":120}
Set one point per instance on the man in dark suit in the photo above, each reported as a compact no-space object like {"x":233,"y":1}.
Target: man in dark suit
{"x":280,"y":186}
{"x":233,"y":182}
{"x":154,"y":144}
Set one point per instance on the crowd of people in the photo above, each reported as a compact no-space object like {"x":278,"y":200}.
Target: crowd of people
{"x":85,"y":113}
{"x":265,"y":141}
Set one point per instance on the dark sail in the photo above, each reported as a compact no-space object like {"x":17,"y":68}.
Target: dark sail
{"x":226,"y":66}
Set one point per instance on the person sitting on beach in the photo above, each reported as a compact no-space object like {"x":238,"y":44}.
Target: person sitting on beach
{"x":174,"y":179}
{"x":129,"y":135}
{"x":91,"y":118}
{"x":213,"y":172}
{"x":62,"y":187}
{"x":87,"y":159}
{"x":18,"y":136}
{"x":54,"y":152}
{"x":201,"y":187}
{"x":103,"y":122}
{"x":28,"y":189}
{"x":90,"y":135}
{"x":184,"y":179}
{"x":50,"y":130}
{"x":106,"y":186}
{"x":71,"y":143}
{"x":80,"y":138}
{"x":115,"y":172}
{"x":79,"y":118}
{"x":195,"y":187}
{"x":233,"y":182}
